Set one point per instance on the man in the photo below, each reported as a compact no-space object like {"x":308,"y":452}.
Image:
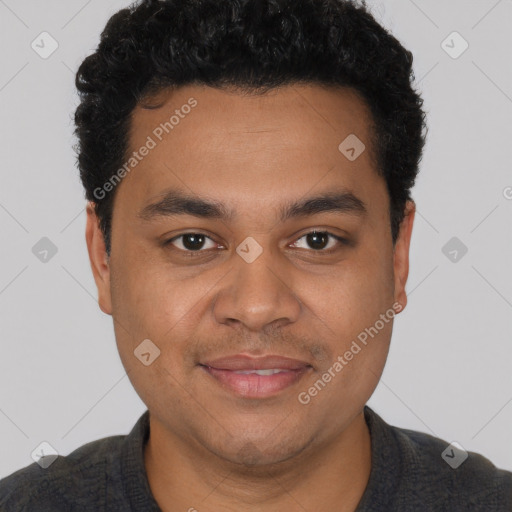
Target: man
{"x":248,"y":168}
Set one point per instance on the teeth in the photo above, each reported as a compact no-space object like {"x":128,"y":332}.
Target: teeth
{"x":270,"y":371}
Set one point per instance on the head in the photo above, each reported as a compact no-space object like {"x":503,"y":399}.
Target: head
{"x":248,"y":167}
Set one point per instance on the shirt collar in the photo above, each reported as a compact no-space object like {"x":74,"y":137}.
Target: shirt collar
{"x":134,"y":476}
{"x":386,"y":466}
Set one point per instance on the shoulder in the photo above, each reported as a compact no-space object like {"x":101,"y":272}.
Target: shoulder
{"x":413,"y":470}
{"x":74,"y":482}
{"x":454,"y":476}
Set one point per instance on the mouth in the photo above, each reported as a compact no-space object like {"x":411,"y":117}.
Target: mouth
{"x":261,"y":377}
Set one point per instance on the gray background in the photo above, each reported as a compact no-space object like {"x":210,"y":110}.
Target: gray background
{"x":449,"y":368}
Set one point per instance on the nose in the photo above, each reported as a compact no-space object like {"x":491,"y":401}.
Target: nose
{"x":257,"y":294}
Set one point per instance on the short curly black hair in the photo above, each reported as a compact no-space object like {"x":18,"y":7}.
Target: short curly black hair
{"x":252,"y":46}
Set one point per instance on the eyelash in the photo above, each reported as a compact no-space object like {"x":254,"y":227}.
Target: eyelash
{"x":193,"y":254}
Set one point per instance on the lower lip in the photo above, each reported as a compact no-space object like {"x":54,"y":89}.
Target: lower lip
{"x":252,"y":385}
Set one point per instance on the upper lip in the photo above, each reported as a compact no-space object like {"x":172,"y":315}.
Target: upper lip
{"x":246,"y":362}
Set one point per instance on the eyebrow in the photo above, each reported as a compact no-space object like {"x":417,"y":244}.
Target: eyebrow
{"x":175,"y":203}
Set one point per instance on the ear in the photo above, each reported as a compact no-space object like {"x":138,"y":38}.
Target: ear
{"x":98,"y":258}
{"x":401,"y":253}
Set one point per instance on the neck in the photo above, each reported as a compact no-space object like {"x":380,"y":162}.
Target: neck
{"x":328,"y":476}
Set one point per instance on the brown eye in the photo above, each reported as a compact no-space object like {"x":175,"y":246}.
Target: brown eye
{"x":190,"y":242}
{"x":319,"y":241}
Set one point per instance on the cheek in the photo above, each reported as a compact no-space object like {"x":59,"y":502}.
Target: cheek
{"x":152,"y":304}
{"x":142,"y":290}
{"x":150,"y":308}
{"x":353,"y":304}
{"x":356,"y":295}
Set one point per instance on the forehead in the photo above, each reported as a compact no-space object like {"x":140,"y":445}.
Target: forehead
{"x":234,"y":146}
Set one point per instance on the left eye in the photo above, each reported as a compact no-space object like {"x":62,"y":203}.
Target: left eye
{"x":317,"y":240}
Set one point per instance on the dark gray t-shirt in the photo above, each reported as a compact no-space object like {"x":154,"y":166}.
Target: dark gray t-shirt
{"x":409,"y":474}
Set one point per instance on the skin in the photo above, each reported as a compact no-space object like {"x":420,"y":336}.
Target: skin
{"x":209,"y":449}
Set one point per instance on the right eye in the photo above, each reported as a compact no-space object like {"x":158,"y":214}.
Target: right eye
{"x":191,"y":242}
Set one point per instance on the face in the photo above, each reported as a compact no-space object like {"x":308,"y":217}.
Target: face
{"x":243,"y":230}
